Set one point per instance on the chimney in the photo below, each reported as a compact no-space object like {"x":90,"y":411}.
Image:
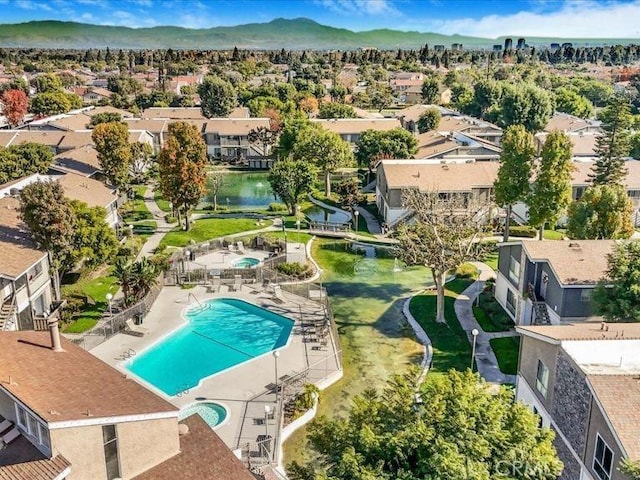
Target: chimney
{"x":55,"y":335}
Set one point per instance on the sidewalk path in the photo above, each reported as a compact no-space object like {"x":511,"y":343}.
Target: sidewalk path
{"x":372,"y":223}
{"x":159,"y":217}
{"x":486,"y":360}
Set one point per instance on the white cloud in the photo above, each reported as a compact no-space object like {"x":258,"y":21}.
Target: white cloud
{"x":359,"y":7}
{"x":29,"y":5}
{"x":143,"y":3}
{"x":575,"y":18}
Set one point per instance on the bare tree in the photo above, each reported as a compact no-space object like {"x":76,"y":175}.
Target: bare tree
{"x":263,"y":139}
{"x":445,"y":232}
{"x":215,"y":181}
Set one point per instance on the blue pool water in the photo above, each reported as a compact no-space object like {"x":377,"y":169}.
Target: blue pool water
{"x":220,"y":334}
{"x":212,"y":413}
{"x":245,"y":262}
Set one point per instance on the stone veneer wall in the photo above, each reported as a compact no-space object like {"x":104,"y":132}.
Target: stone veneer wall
{"x":571,"y":399}
{"x":572,"y":467}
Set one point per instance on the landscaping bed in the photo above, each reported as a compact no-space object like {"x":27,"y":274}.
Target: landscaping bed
{"x":207,"y":228}
{"x":506,"y":350}
{"x":490,"y":314}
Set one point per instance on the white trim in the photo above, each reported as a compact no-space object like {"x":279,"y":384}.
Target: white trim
{"x":522,"y":330}
{"x":112,"y":420}
{"x":593,"y":461}
{"x":606,"y":417}
{"x":64,"y":474}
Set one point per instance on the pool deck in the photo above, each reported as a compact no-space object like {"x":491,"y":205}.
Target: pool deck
{"x":221,"y":259}
{"x":246,"y":388}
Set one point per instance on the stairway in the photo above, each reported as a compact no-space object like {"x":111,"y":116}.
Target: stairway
{"x":541,"y":314}
{"x":6,"y":311}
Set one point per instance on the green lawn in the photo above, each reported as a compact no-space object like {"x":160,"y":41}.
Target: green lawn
{"x":491,"y":259}
{"x":96,"y":289}
{"x":161,"y":202}
{"x":145,"y":228}
{"x":554,"y":234}
{"x":506,"y":350}
{"x":451,"y":347}
{"x":367,"y":299}
{"x":135,"y":210}
{"x":208,"y":228}
{"x":292,"y":236}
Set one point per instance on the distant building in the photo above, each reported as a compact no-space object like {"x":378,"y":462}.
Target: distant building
{"x":567,"y":45}
{"x":508,"y":43}
{"x":555,"y":46}
{"x":497,"y":48}
{"x":456,"y":47}
{"x":521,"y":44}
{"x":439,"y":48}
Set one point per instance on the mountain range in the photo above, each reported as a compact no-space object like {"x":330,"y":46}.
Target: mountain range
{"x":298,"y":33}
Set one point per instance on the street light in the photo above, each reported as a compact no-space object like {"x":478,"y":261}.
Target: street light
{"x":109,"y":297}
{"x":356,"y":213}
{"x":267,"y":411}
{"x":276,"y":354}
{"x":474,"y":332}
{"x":298,"y":226}
{"x":285,"y":237}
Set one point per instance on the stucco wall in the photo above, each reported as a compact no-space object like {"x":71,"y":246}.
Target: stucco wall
{"x":531,"y":351}
{"x":598,"y":425}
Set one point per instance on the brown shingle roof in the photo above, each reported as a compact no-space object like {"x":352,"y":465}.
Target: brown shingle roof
{"x":358,"y":125}
{"x":451,"y":177}
{"x":72,"y":140}
{"x":73,"y":122}
{"x":585,"y":331}
{"x":69,"y":385}
{"x":574,"y":263}
{"x":93,"y":192}
{"x":202,"y":456}
{"x":235,"y":126}
{"x":174,"y":113}
{"x":619,"y":396}
{"x":109,"y":109}
{"x":433,"y":143}
{"x":153,"y":126}
{"x":18,"y":252}
{"x":51,"y":138}
{"x":566,"y":123}
{"x":48,"y":469}
{"x":6,"y":137}
{"x":580,"y":175}
{"x":83,"y":160}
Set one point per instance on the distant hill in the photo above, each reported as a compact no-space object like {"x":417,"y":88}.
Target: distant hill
{"x":299,"y":33}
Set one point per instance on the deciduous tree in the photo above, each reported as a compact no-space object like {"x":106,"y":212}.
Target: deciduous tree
{"x":375,"y":145}
{"x":217,"y":97}
{"x":24,"y":159}
{"x":617,"y":296}
{"x":516,"y":161}
{"x":182,"y":167}
{"x":527,"y":105}
{"x":291,"y":179}
{"x":428,"y":120}
{"x":105,"y":117}
{"x":454,"y":427}
{"x":444,"y":235}
{"x":551,"y":192}
{"x":16,"y":106}
{"x":349,"y":193}
{"x":264,"y":138}
{"x":324,"y":149}
{"x":141,"y":160}
{"x":430,"y":90}
{"x":111,"y":141}
{"x":215,"y":180}
{"x":50,"y":103}
{"x":94,"y":241}
{"x":309,"y":105}
{"x":336,"y":110}
{"x":614,"y":142}
{"x":571,"y":102}
{"x":603,"y":211}
{"x":51,"y":221}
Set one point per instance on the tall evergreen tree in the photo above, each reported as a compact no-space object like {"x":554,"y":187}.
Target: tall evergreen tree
{"x":551,"y":191}
{"x":516,"y":162}
{"x":614,"y":143}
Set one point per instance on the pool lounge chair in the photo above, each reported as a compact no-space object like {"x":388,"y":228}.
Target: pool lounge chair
{"x":134,"y":329}
{"x":237,"y":283}
{"x":277,"y":293}
{"x":10,"y":436}
{"x":214,"y":286}
{"x":240,"y":247}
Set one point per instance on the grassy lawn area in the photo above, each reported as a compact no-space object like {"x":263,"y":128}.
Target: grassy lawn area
{"x":506,"y":350}
{"x":491,"y":259}
{"x":94,"y":287}
{"x":135,"y":210}
{"x":208,"y":228}
{"x":554,"y":234}
{"x":291,"y":236}
{"x":451,"y":348}
{"x":366,"y":299}
{"x":161,"y":202}
{"x":490,"y":314}
{"x":145,"y":228}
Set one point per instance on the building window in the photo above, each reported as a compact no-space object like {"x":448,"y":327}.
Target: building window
{"x":542,"y":378}
{"x":511,"y":301}
{"x":514,"y":270}
{"x":35,"y":271}
{"x":33,"y":427}
{"x":602,"y":459}
{"x":110,"y":441}
{"x":585,"y":295}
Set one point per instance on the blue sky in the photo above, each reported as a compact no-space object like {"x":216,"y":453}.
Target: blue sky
{"x":485,"y":18}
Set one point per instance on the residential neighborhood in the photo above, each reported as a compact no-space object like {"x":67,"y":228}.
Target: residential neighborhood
{"x":344,"y":261}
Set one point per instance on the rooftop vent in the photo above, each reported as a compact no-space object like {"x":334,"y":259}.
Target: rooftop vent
{"x":574,"y":245}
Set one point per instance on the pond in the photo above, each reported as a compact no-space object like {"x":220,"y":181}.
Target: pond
{"x":245,"y":191}
{"x":318,"y":214}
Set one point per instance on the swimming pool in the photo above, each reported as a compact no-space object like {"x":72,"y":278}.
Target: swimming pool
{"x":220,"y":334}
{"x":245,"y":262}
{"x":212,"y":413}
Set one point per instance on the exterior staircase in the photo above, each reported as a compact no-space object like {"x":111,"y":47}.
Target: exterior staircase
{"x":540,"y":312}
{"x":6,"y":310}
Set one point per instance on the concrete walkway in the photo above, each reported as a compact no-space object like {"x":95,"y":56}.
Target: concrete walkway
{"x":159,"y":217}
{"x":486,"y":360}
{"x":372,"y":222}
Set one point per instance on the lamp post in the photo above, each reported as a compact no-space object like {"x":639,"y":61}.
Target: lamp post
{"x":276,"y":354}
{"x":267,"y":411}
{"x":285,"y":238}
{"x":109,"y":297}
{"x":130,"y":229}
{"x":298,"y":227}
{"x":474,"y":332}
{"x":357,"y":214}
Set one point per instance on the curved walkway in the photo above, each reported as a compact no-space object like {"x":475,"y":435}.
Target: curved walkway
{"x":486,"y":360}
{"x":159,"y":217}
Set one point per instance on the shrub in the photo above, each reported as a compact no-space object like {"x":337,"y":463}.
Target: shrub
{"x":170,"y":218}
{"x":277,"y":207}
{"x":466,"y":270}
{"x":523,"y":231}
{"x":295,"y":269}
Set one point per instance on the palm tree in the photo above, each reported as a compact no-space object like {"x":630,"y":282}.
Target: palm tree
{"x":145,"y":277}
{"x":123,"y":271}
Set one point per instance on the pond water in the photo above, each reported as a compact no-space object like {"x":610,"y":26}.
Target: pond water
{"x":245,"y":190}
{"x":318,"y":214}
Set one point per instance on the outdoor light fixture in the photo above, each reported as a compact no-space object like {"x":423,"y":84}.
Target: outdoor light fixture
{"x":475,"y":333}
